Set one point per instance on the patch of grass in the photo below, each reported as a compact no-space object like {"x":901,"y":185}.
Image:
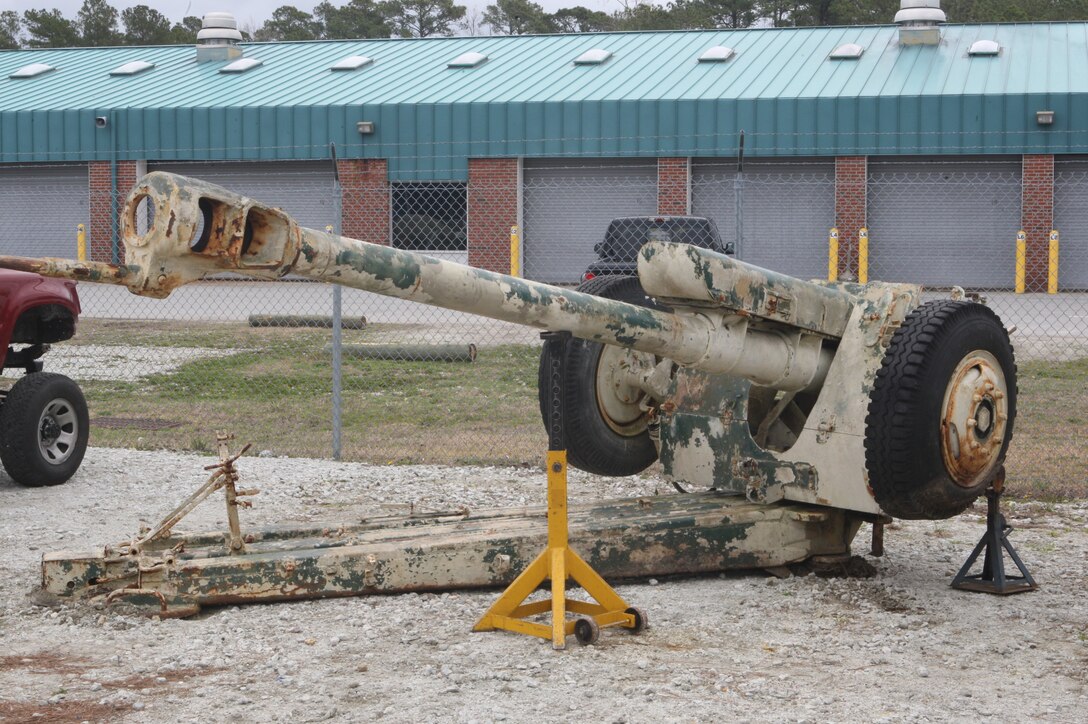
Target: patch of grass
{"x":277,"y":390}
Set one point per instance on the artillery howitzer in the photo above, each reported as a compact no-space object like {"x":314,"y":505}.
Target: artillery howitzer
{"x":856,"y":402}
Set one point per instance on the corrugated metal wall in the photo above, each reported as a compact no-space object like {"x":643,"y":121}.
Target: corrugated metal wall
{"x":944,"y":223}
{"x":567,"y":205}
{"x":787,"y":209}
{"x":40,"y":207}
{"x":303,"y":189}
{"x":1071,"y":221}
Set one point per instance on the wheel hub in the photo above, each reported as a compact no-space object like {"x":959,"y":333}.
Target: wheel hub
{"x":58,"y":428}
{"x":619,"y":397}
{"x":973,"y":418}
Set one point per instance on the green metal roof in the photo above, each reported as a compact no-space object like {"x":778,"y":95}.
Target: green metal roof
{"x":652,"y":97}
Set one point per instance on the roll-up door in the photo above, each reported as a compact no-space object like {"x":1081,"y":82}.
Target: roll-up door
{"x":40,"y":208}
{"x":567,"y":204}
{"x":944,"y":222}
{"x":304,"y":189}
{"x":786,"y":210}
{"x":1071,"y":221}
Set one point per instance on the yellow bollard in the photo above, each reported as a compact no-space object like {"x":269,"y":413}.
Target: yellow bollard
{"x":515,"y":252}
{"x":863,"y":255}
{"x":1052,"y":271}
{"x":1021,"y":261}
{"x":81,"y":242}
{"x":833,"y":255}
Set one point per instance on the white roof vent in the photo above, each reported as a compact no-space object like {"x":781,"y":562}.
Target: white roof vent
{"x":467,"y":60}
{"x":984,"y":47}
{"x":925,"y":12}
{"x":32,"y":70}
{"x":132,"y":68}
{"x":717,"y":54}
{"x":218,"y":29}
{"x":352,"y":62}
{"x":241,"y":65}
{"x":847,"y":51}
{"x":596,"y":56}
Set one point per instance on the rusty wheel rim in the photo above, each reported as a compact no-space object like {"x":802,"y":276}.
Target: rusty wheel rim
{"x":974,"y":416}
{"x":618,"y":400}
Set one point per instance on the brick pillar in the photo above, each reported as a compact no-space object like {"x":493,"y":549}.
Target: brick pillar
{"x":1037,"y":218}
{"x":492,"y":210}
{"x":851,"y":177}
{"x":674,"y":186}
{"x":104,"y":207}
{"x":364,"y":193}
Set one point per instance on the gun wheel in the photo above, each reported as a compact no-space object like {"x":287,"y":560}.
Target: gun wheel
{"x":605,"y":418}
{"x":941,"y":412}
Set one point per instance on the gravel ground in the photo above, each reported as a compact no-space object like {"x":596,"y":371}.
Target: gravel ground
{"x":901,"y":646}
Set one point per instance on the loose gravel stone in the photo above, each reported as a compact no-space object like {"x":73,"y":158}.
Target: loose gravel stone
{"x":900,"y":646}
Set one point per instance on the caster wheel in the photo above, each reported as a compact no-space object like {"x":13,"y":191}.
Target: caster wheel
{"x":587,"y":631}
{"x":642,"y":620}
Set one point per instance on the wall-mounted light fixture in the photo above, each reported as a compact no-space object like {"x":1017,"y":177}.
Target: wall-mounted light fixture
{"x":1044,"y":118}
{"x":101,"y":121}
{"x":365,"y":128}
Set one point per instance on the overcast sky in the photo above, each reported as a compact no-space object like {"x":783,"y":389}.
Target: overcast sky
{"x":251,"y":13}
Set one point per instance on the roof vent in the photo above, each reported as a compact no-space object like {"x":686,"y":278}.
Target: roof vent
{"x":32,"y":70}
{"x":132,"y":68}
{"x":467,"y":60}
{"x":596,"y":56}
{"x":218,"y":38}
{"x":717,"y":54}
{"x":352,"y":62}
{"x":847,"y":51}
{"x":918,"y":21}
{"x":984,"y":48}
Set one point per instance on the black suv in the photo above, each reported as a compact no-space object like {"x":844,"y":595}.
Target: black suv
{"x":617,"y":255}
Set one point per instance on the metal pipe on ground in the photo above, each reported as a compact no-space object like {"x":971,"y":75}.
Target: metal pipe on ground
{"x":410,"y":352}
{"x":304,"y":320}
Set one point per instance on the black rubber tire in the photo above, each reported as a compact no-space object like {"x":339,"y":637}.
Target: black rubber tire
{"x":642,"y":619}
{"x":587,"y":631}
{"x":591,"y":444}
{"x":903,"y":449}
{"x":20,"y":429}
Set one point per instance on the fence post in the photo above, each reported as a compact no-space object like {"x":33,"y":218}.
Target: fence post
{"x":81,"y":242}
{"x":337,"y":302}
{"x":863,"y":255}
{"x":833,"y":255}
{"x":1052,"y":271}
{"x":515,"y":252}
{"x":1021,"y":261}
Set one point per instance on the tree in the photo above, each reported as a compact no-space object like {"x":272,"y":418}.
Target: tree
{"x":517,"y":17}
{"x":422,"y":18}
{"x":145,"y":26}
{"x":579,"y":19}
{"x":184,"y":33}
{"x":645,"y":16}
{"x":50,"y":29}
{"x":717,"y":13}
{"x":357,"y":19}
{"x":97,"y":21}
{"x":289,"y":23}
{"x":11,"y":30}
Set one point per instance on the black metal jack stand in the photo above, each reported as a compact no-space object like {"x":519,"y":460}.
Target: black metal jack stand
{"x":995,"y":542}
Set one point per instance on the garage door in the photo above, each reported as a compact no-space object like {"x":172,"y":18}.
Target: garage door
{"x":786,"y":211}
{"x":304,"y":189}
{"x":944,"y":222}
{"x":40,"y":208}
{"x":567,"y":204}
{"x":1071,"y":221}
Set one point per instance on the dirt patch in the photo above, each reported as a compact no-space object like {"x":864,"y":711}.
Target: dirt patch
{"x":45,"y":663}
{"x":62,"y":712}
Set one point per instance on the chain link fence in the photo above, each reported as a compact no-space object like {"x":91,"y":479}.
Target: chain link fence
{"x":424,"y":384}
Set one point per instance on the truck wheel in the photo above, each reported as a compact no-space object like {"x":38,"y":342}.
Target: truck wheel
{"x":43,"y":429}
{"x":605,"y":429}
{"x":941,"y":412}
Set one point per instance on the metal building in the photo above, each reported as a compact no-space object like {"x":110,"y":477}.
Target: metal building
{"x":943,"y":139}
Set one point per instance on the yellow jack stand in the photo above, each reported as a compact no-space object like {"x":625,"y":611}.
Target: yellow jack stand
{"x":559,"y":562}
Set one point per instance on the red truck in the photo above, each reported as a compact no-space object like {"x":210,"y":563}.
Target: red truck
{"x":43,"y":415}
